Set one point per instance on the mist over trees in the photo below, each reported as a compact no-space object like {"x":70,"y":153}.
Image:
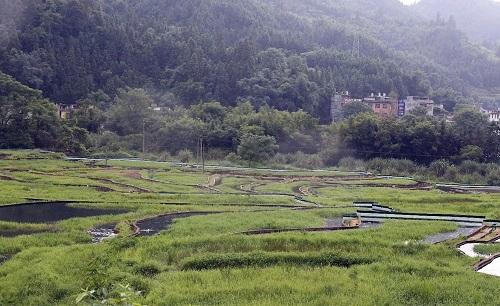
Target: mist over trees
{"x":478,"y":19}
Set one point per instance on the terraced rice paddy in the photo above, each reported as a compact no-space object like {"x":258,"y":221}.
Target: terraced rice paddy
{"x":207,"y":257}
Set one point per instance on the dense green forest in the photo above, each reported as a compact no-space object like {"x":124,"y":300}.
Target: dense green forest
{"x":27,"y":120}
{"x":271,"y":66}
{"x":285,"y":53}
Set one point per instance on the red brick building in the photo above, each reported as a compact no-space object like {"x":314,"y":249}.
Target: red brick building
{"x":382,"y":105}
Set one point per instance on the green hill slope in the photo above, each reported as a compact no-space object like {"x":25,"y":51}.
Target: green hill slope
{"x":289,"y":54}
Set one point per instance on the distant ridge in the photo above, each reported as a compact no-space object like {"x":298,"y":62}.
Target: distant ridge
{"x":480,"y":19}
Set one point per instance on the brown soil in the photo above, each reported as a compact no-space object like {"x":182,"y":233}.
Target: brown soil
{"x":485,"y":234}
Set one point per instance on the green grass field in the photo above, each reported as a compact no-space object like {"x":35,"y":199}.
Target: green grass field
{"x":206,"y":260}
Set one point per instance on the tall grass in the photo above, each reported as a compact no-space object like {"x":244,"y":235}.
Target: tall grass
{"x":204,"y":260}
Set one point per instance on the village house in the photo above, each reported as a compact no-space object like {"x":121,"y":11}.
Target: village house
{"x":66,"y":110}
{"x":338,"y":102}
{"x":388,"y":106}
{"x":493,"y":115}
{"x":382,"y":105}
{"x":413,"y":102}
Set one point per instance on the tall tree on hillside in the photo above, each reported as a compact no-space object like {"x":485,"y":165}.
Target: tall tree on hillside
{"x":471,"y":127}
{"x":257,"y":148}
{"x":26,"y":120}
{"x":130,"y":111}
{"x":29,"y":121}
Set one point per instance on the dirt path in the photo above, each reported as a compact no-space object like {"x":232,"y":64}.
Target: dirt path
{"x":485,"y":234}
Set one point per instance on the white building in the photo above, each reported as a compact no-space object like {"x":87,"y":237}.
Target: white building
{"x":412,"y":102}
{"x":493,"y":115}
{"x":337,"y":104}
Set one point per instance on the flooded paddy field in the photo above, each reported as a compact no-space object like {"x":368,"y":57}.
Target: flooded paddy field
{"x":48,"y":212}
{"x":180,"y":236}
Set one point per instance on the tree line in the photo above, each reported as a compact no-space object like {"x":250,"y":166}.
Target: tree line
{"x":132,"y":122}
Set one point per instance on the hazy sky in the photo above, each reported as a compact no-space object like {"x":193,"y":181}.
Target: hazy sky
{"x":408,"y":1}
{"x":413,"y":1}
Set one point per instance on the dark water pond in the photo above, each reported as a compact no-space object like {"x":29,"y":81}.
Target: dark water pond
{"x":4,"y":258}
{"x":153,"y":226}
{"x":50,"y":212}
{"x":442,"y":237}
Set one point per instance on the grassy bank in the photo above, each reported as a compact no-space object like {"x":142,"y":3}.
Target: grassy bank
{"x":205,"y":259}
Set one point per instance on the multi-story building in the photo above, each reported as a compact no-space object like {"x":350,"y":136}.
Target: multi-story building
{"x":413,"y":102}
{"x":338,"y":102}
{"x":385,"y":106}
{"x":493,"y":115}
{"x":382,"y":105}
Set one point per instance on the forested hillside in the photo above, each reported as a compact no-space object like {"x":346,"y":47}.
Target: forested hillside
{"x":480,"y":19}
{"x":288,"y":54}
{"x":254,"y":79}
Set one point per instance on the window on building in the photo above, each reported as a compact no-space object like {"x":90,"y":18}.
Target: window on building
{"x":384,"y":105}
{"x":377,"y":105}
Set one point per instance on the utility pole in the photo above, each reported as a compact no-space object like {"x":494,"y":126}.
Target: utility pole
{"x":202,"y":148}
{"x":198,"y":155}
{"x":143,"y":139}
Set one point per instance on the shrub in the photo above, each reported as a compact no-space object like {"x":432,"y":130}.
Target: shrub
{"x":377,"y":165}
{"x":392,"y":166}
{"x":439,"y":167}
{"x":452,"y":174}
{"x":185,"y":156}
{"x":493,"y":177}
{"x":108,"y":155}
{"x":257,"y":148}
{"x":332,"y":149}
{"x":353,"y":164}
{"x":30,"y":154}
{"x":471,"y":152}
{"x":471,"y":167}
{"x":147,"y":269}
{"x":474,"y":178}
{"x":282,"y":159}
{"x":409,"y":248}
{"x":307,"y":161}
{"x":96,"y":272}
{"x":165,"y":156}
{"x":44,"y":155}
{"x":216,"y":154}
{"x":233,"y":158}
{"x":261,"y":259}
